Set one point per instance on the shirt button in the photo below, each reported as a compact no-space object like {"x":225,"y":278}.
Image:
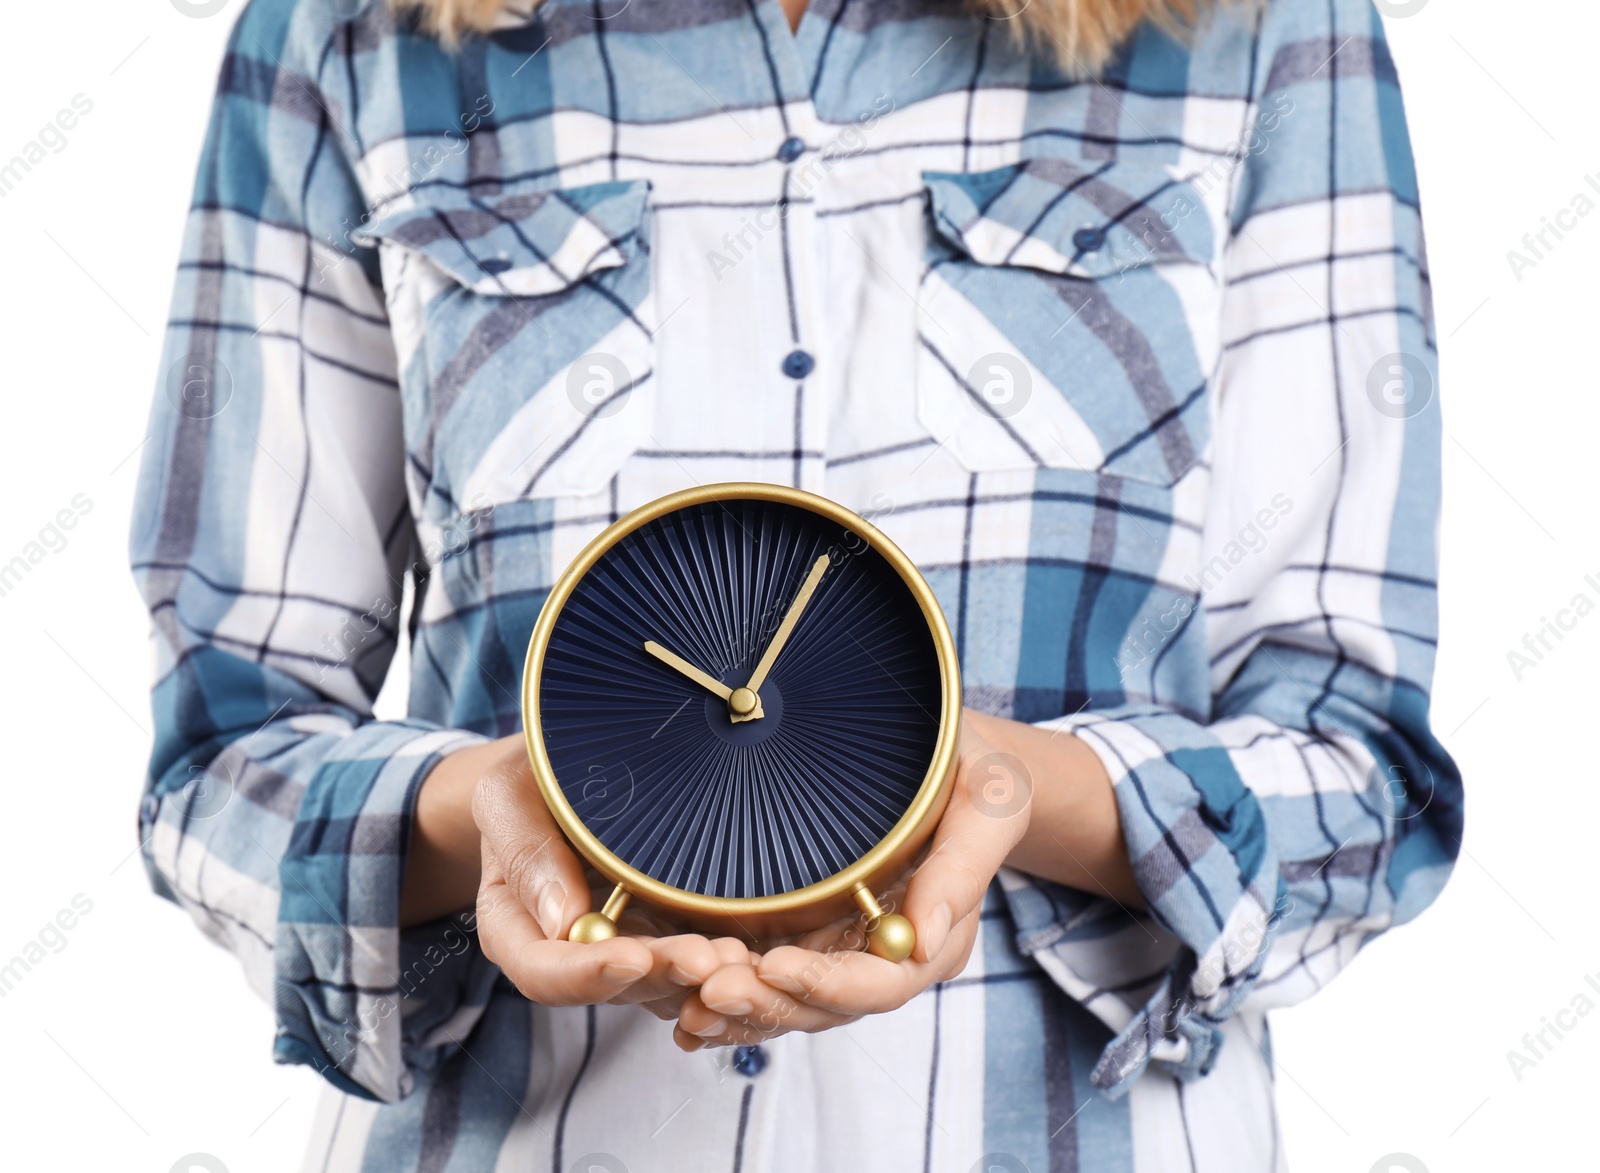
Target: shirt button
{"x":791,"y":149}
{"x":797,"y":364}
{"x":495,"y":264}
{"x":149,"y":808}
{"x":749,"y":1061}
{"x":1088,"y":239}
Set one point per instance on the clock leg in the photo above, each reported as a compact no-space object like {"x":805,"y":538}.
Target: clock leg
{"x":602,"y":925}
{"x":889,"y":935}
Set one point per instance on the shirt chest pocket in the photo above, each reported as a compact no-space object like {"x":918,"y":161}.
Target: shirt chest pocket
{"x":1069,"y":319}
{"x":524,"y":324}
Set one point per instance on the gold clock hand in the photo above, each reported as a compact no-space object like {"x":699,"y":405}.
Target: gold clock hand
{"x":673,"y":660}
{"x":781,"y":636}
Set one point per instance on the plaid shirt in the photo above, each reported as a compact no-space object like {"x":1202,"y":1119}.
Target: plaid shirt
{"x":1140,"y":373}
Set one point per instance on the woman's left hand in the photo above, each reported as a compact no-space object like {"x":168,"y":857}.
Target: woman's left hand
{"x":823,"y":980}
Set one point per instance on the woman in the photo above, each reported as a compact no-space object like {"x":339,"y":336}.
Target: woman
{"x":1113,"y":314}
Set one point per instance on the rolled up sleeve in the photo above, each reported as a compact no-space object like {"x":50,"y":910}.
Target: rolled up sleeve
{"x":270,"y":541}
{"x":1312,"y":808}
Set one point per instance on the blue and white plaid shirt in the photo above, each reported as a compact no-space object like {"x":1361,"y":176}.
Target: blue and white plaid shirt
{"x":1141,"y":373}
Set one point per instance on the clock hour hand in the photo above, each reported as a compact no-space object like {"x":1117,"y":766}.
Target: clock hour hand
{"x":673,"y":660}
{"x":704,"y":679}
{"x":781,"y":636}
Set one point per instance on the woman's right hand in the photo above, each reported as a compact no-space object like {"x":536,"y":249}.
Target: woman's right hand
{"x":533,"y":888}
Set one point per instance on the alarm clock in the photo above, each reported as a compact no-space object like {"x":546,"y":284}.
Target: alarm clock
{"x":741,"y":705}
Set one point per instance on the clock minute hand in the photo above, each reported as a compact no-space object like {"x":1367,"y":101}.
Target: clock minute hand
{"x":673,"y":660}
{"x":781,"y":636}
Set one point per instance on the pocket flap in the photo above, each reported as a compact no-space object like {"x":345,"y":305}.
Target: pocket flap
{"x":521,"y":243}
{"x":1072,"y":218}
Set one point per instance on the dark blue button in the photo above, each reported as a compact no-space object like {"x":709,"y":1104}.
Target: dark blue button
{"x":1088,"y":239}
{"x":791,"y":149}
{"x":797,"y":364}
{"x":495,"y":264}
{"x":750,"y":1061}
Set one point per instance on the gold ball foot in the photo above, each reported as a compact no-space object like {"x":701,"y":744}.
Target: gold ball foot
{"x":891,"y":937}
{"x":592,"y":927}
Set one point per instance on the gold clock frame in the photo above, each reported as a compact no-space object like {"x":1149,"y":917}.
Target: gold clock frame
{"x":759,"y":917}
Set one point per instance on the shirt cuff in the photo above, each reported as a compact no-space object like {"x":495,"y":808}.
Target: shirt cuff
{"x":1166,"y":980}
{"x":356,"y":998}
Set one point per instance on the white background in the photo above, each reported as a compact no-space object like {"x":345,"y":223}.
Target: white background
{"x":138,"y":1043}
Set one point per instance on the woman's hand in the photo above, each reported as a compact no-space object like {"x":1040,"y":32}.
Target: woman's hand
{"x":532,"y":887}
{"x":822,"y":980}
{"x":1035,"y":799}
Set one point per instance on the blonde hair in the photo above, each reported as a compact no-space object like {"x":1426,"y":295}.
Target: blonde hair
{"x":1085,"y":34}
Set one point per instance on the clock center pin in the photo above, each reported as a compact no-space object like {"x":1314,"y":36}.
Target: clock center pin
{"x":743,"y":701}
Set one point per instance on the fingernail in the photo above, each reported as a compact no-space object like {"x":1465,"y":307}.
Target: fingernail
{"x":787,"y":985}
{"x":552,"y":903}
{"x":616,"y":971}
{"x":737,"y":1008}
{"x":712,"y":1029}
{"x":938,"y":930}
{"x":682,"y":977}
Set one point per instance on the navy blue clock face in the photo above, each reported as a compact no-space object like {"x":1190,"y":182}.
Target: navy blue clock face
{"x":691,"y":771}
